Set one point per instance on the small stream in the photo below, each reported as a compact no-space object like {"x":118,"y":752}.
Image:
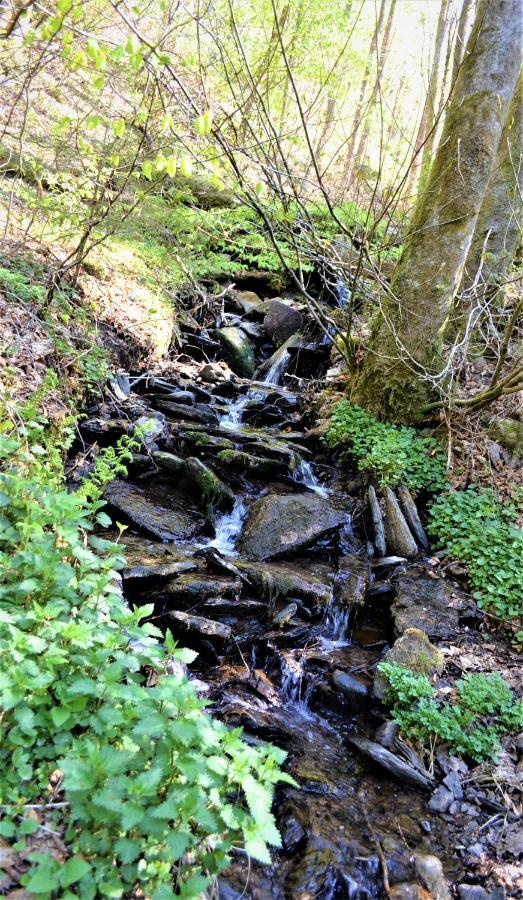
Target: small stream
{"x":289,"y":605}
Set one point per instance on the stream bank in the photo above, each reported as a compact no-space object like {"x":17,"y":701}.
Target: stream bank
{"x":244,"y":535}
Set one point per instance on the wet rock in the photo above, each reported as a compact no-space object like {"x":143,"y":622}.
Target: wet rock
{"x":249,"y":303}
{"x":217,"y":563}
{"x":430,"y":604}
{"x":214,"y":373}
{"x":199,"y":625}
{"x":252,"y":330}
{"x":408,"y":890}
{"x":387,"y":563}
{"x":120,"y":386}
{"x":170,"y":521}
{"x":393,"y":764}
{"x":414,"y":651}
{"x":281,"y":616}
{"x":509,"y":433}
{"x":386,"y":734}
{"x":430,"y":872}
{"x":292,"y":829}
{"x":281,"y":355}
{"x":237,"y":461}
{"x":472,"y":892}
{"x":282,"y":321}
{"x":103,"y":431}
{"x":158,"y":571}
{"x":238,"y":350}
{"x":352,"y":580}
{"x":410,"y":512}
{"x":377,"y":521}
{"x":283,"y":523}
{"x":277,"y":581}
{"x":213,"y":491}
{"x":441,"y":800}
{"x":201,"y":443}
{"x":197,"y":413}
{"x":453,"y":784}
{"x":193,"y":588}
{"x":168,"y":461}
{"x":356,"y":691}
{"x":397,"y":532}
{"x":154,"y":426}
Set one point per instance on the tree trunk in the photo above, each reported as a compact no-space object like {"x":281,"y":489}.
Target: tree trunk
{"x":406,"y":342}
{"x":499,"y":225}
{"x":356,"y":122}
{"x":433,"y":110}
{"x":359,"y":155}
{"x":461,"y":37}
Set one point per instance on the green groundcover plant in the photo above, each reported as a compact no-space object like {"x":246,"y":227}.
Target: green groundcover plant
{"x":475,"y":527}
{"x":390,"y":453}
{"x":152,"y":791}
{"x":482,"y":709}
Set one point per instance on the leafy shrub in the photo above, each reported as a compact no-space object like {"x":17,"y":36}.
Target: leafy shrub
{"x":390,"y":453}
{"x":483,"y":709}
{"x":151,"y":791}
{"x":476,"y":528}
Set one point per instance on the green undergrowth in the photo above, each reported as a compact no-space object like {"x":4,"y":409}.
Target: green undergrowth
{"x":482,"y":709}
{"x":389,"y":453}
{"x":66,"y":321}
{"x":475,"y":527}
{"x":101,"y":743}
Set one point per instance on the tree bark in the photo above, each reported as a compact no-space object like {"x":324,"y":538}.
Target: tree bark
{"x":461,"y":37}
{"x":356,"y":122}
{"x":499,"y":226}
{"x":434,"y":108}
{"x":405,"y":347}
{"x":384,"y":49}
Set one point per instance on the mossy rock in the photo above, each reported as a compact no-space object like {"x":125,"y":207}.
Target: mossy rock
{"x":237,"y":350}
{"x":509,"y":433}
{"x":413,"y":651}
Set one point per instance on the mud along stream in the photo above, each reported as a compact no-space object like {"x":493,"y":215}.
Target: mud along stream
{"x":242,"y":535}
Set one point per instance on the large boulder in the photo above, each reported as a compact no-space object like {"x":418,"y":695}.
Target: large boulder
{"x":429,"y":604}
{"x":413,"y":651}
{"x":282,"y":321}
{"x":237,"y":350}
{"x":283,"y":523}
{"x":173,"y":519}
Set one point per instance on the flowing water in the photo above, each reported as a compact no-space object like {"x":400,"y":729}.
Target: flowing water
{"x":275,"y":679}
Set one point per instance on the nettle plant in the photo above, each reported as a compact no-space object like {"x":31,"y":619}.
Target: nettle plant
{"x":390,"y":453}
{"x":482,"y":709}
{"x":475,"y":527}
{"x":147,"y":791}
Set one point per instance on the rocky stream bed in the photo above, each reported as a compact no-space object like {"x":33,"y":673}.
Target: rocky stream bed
{"x":258,"y":552}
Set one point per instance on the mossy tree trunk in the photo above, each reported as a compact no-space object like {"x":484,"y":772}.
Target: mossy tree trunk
{"x":499,"y":226}
{"x":405,"y":346}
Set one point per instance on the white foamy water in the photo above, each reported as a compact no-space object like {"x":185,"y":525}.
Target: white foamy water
{"x":234,"y":415}
{"x":227,"y":529}
{"x":303,"y":474}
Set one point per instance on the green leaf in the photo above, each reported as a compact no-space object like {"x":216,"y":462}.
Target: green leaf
{"x":147,"y":169}
{"x":59,"y":715}
{"x":45,"y":878}
{"x":119,"y":128}
{"x":73,"y":870}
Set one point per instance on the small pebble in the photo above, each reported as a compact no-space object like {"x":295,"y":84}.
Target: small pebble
{"x":426,"y":826}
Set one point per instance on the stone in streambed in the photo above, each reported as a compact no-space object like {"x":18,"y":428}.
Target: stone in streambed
{"x":202,"y":627}
{"x":168,"y":461}
{"x":236,"y":461}
{"x":277,"y":581}
{"x":283,"y":523}
{"x":212,"y":490}
{"x":430,"y":872}
{"x":352,"y":580}
{"x":392,"y":763}
{"x":237,"y":350}
{"x":199,"y":588}
{"x":355,"y":691}
{"x":281,"y":321}
{"x":169,"y":521}
{"x":158,"y":571}
{"x":397,"y":532}
{"x":430,"y":604}
{"x":199,"y":412}
{"x":413,"y":651}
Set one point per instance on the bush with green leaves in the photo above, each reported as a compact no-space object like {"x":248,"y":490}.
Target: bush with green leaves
{"x":483,"y":708}
{"x":390,"y":453}
{"x":474,"y":526}
{"x":153,"y":792}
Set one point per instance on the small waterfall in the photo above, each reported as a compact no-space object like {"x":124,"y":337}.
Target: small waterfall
{"x":342,"y":293}
{"x":336,"y":623}
{"x":291,"y":680}
{"x":276,"y":370}
{"x":303,"y":474}
{"x":234,"y":416}
{"x":227,"y":527}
